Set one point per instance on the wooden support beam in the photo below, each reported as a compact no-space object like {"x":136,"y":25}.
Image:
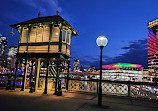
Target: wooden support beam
{"x":56,"y":80}
{"x":31,"y":81}
{"x":46,"y":79}
{"x":37,"y":68}
{"x":59,"y":91}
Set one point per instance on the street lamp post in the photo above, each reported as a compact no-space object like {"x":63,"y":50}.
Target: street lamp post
{"x":101,"y":42}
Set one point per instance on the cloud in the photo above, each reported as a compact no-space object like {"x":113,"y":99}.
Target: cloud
{"x":93,"y":60}
{"x":136,"y":44}
{"x":135,"y":53}
{"x":42,"y":5}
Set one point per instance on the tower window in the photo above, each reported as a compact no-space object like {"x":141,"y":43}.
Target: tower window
{"x":68,"y":36}
{"x":64,"y":35}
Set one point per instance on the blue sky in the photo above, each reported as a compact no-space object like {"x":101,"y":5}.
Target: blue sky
{"x":123,"y":22}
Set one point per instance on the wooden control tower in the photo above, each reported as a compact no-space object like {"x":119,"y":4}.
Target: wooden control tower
{"x":44,"y":39}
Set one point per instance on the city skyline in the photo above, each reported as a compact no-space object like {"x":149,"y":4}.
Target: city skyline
{"x":124,"y":24}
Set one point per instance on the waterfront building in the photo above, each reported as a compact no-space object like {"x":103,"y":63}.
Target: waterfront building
{"x":147,"y":77}
{"x":3,"y":51}
{"x":91,"y":68}
{"x":122,"y":72}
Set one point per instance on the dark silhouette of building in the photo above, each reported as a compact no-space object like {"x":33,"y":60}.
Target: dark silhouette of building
{"x":3,"y":51}
{"x":76,"y":65}
{"x":82,"y":68}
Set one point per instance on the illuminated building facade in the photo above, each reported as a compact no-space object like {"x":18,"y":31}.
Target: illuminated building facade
{"x":123,"y":72}
{"x":153,"y":44}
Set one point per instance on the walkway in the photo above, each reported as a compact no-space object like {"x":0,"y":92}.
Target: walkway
{"x":24,"y":101}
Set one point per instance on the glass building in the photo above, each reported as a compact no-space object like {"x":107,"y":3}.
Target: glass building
{"x":153,"y":44}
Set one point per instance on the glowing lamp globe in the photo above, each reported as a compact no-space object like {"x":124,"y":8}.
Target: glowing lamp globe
{"x":102,"y":41}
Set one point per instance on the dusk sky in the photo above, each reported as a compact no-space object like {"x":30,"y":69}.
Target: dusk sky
{"x":123,"y":22}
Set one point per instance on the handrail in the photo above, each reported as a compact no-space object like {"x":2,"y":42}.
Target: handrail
{"x":97,"y":80}
{"x":122,"y":82}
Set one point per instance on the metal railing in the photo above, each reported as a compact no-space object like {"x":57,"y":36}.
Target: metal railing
{"x":119,"y":88}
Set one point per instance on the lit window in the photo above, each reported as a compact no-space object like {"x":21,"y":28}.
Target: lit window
{"x":68,"y":36}
{"x":64,"y":35}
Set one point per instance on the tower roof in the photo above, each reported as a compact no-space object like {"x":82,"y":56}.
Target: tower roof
{"x":46,"y":19}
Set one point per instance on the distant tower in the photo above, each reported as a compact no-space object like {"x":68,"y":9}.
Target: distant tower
{"x":11,"y":59}
{"x":3,"y":51}
{"x":76,"y":65}
{"x":153,"y":44}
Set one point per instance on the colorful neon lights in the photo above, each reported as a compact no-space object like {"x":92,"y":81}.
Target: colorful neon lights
{"x":152,"y":43}
{"x":121,"y":65}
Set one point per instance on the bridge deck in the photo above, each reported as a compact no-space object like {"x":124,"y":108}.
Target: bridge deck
{"x":24,"y":101}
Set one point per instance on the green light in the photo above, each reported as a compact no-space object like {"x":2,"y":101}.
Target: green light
{"x":124,"y":65}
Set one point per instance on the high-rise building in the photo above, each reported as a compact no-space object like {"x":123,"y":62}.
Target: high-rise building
{"x":12,"y":51}
{"x":76,"y":65}
{"x":3,"y":51}
{"x":11,"y":60}
{"x":153,"y":44}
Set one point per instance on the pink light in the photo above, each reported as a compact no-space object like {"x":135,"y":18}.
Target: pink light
{"x":114,"y":67}
{"x":108,"y":67}
{"x":138,"y":66}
